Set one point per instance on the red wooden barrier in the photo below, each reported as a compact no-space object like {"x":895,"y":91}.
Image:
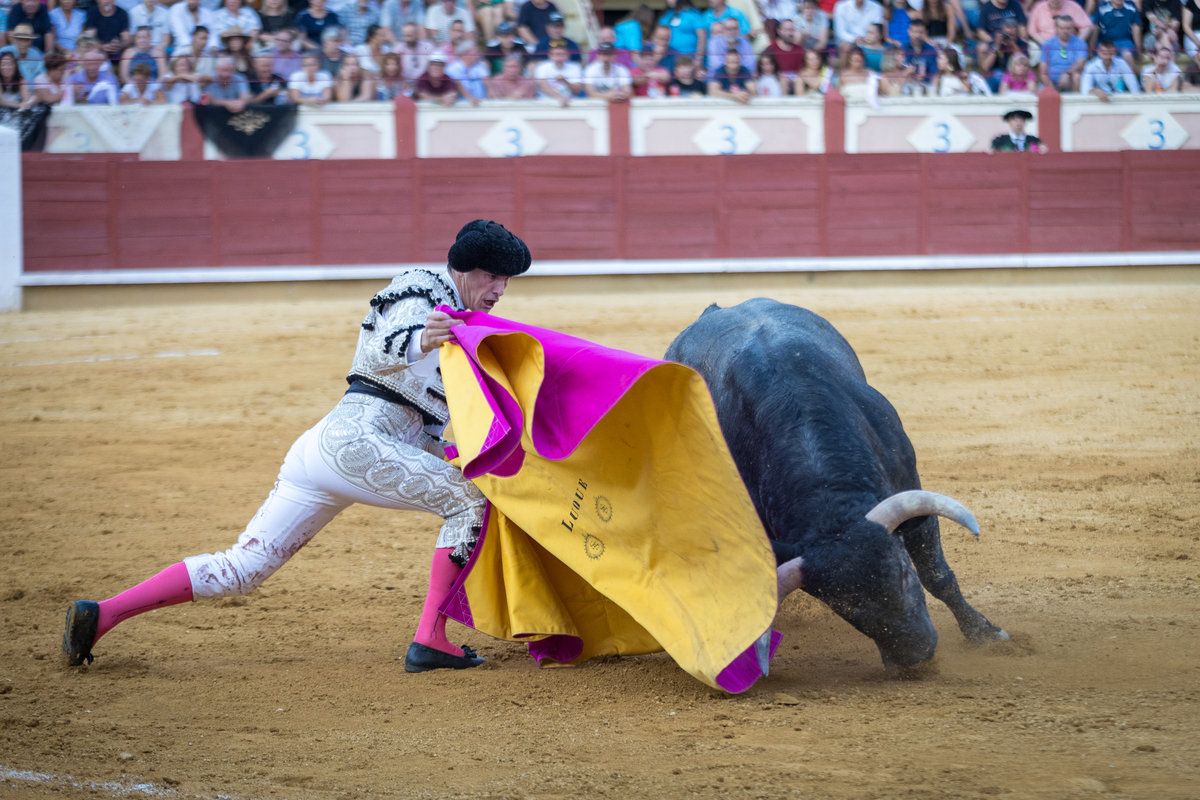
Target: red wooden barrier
{"x":101,"y":214}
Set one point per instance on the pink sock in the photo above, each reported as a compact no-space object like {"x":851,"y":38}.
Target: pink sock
{"x":431,"y":630}
{"x":170,"y":587}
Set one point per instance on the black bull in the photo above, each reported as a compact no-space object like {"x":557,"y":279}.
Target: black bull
{"x":832,"y":474}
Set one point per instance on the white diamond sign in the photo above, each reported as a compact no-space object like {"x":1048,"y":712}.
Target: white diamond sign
{"x":512,"y":137}
{"x":726,"y":135}
{"x":941,"y":133}
{"x":304,"y":142}
{"x":1156,"y":130}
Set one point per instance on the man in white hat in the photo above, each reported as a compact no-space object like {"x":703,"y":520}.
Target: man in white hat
{"x":30,"y":60}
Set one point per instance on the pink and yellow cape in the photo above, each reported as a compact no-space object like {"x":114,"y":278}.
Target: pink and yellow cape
{"x":618,"y":521}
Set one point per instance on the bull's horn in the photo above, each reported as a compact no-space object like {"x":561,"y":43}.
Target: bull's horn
{"x":789,"y":577}
{"x":762,"y":651}
{"x":906,"y":505}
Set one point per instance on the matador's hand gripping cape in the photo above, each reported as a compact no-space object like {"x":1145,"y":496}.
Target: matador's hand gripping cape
{"x":619,"y":523}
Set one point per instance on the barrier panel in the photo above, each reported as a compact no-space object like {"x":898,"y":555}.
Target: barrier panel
{"x":965,"y":124}
{"x":1131,"y":122}
{"x":91,"y":214}
{"x":153,"y":133}
{"x":335,"y":131}
{"x":511,"y":128}
{"x":702,"y":126}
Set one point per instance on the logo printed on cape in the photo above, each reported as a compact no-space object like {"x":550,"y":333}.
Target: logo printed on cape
{"x":593,"y":548}
{"x":604,"y":509}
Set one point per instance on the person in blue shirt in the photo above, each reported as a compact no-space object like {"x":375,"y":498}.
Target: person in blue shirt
{"x":688,"y":34}
{"x":920,"y":53}
{"x":897,"y":18}
{"x":634,"y":31}
{"x":1120,"y":24}
{"x":554,"y":38}
{"x":1063,"y":57}
{"x":718,"y":11}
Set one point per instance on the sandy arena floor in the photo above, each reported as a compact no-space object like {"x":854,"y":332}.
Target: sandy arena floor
{"x":1065,"y":417}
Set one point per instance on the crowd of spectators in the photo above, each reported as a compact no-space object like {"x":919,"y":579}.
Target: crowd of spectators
{"x":311,"y":52}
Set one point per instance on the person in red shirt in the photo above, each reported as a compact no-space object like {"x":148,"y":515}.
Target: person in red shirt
{"x":788,"y":53}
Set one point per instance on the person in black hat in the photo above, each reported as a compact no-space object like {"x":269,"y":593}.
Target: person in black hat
{"x":1016,"y":140}
{"x":381,"y":446}
{"x":555,"y":38}
{"x":504,"y":45}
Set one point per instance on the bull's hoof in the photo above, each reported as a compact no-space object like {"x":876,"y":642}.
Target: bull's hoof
{"x":987,"y":634}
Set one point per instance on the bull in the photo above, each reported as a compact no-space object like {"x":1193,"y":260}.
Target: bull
{"x":832,"y":475}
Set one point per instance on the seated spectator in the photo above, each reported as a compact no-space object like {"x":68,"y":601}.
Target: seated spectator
{"x":788,"y":54}
{"x":815,"y":77}
{"x":1020,"y":77}
{"x":90,"y":85}
{"x":183,"y":84}
{"x":30,"y":60}
{"x":556,"y":38}
{"x":287,"y":60}
{"x":506,"y":44}
{"x":51,"y":86}
{"x":812,"y":27}
{"x":68,"y":24}
{"x":686,"y":24}
{"x":141,"y":52}
{"x":1162,"y":74}
{"x":1191,"y":27}
{"x":312,"y":21}
{"x":109,"y":23}
{"x":897,"y":77}
{"x":719,"y":11}
{"x":768,"y":80}
{"x":1016,"y":140}
{"x":941,"y":22}
{"x":390,"y":84}
{"x":232,"y":14}
{"x":470,"y":72}
{"x":441,"y":15}
{"x":331,"y":49}
{"x":414,"y":53}
{"x":185,"y":16}
{"x":235,"y":44}
{"x":1164,"y":23}
{"x":1063,"y":57}
{"x":920,"y":53}
{"x":531,"y":21}
{"x":265,"y":85}
{"x":228,"y":89}
{"x":683,"y":81}
{"x":605,"y":79}
{"x":510,"y":84}
{"x":14,"y":90}
{"x":458,"y":35}
{"x":852,"y":79}
{"x":732,"y":80}
{"x":993,"y":15}
{"x":664,"y":54}
{"x":897,"y":18}
{"x":873,"y":46}
{"x":633,"y":31}
{"x":730,"y":40}
{"x":203,"y":56}
{"x":490,"y":13}
{"x":35,"y":15}
{"x":394,"y":15}
{"x":274,"y":16}
{"x":993,"y":57}
{"x":1120,"y":24}
{"x":142,"y":91}
{"x":1105,"y":74}
{"x":851,"y":18}
{"x":558,"y":77}
{"x":774,"y":12}
{"x":1043,"y":19}
{"x":149,"y":14}
{"x":1191,"y":75}
{"x":371,"y":52}
{"x":951,"y":79}
{"x":357,"y":17}
{"x":434,"y":85}
{"x":310,"y":85}
{"x":648,"y":78}
{"x":353,"y":84}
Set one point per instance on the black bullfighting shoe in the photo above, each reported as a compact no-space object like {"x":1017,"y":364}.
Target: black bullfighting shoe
{"x":422,"y":658}
{"x":80,"y":633}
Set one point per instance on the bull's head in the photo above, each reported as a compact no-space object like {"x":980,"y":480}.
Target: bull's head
{"x":865,"y":575}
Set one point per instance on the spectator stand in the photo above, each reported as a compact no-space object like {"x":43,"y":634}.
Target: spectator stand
{"x":963,"y":124}
{"x":1130,"y":122}
{"x":153,"y":132}
{"x":703,"y":126}
{"x":335,"y":131}
{"x":510,"y":128}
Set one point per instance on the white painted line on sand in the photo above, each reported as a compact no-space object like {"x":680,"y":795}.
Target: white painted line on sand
{"x":89,"y":359}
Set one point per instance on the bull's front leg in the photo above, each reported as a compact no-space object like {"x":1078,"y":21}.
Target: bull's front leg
{"x":922,"y":538}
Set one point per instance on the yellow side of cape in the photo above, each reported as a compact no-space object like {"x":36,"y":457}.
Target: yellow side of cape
{"x":643,"y":538}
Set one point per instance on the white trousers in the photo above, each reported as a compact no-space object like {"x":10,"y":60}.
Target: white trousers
{"x":367,"y":450}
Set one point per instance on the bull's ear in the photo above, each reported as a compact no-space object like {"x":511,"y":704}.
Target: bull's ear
{"x":713,"y":307}
{"x":785,"y":552}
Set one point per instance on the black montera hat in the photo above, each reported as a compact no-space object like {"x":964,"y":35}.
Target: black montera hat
{"x":491,"y":247}
{"x":1020,"y":112}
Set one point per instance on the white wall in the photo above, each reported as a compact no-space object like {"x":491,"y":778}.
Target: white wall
{"x":10,"y":219}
